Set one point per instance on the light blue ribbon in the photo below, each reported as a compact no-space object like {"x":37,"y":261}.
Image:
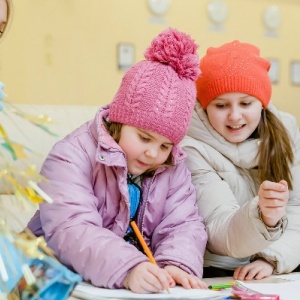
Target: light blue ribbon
{"x":2,"y":95}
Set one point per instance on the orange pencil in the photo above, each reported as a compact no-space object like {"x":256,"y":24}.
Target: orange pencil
{"x":144,"y":245}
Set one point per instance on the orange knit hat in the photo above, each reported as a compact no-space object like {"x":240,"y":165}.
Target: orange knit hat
{"x":233,"y":67}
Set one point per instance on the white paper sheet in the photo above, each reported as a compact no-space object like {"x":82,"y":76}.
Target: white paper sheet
{"x":86,"y":291}
{"x":288,"y":290}
{"x":291,"y":276}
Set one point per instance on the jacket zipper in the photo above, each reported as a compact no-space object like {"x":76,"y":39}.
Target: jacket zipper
{"x":141,"y":213}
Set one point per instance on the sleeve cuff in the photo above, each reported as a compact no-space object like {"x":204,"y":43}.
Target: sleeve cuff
{"x":278,"y":228}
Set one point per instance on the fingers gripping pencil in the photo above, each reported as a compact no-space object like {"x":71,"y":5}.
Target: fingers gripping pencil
{"x":144,"y":245}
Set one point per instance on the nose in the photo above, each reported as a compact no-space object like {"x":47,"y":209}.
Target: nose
{"x":151,"y":152}
{"x":234,"y":113}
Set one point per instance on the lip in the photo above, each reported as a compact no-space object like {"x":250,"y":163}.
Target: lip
{"x":235,"y":130}
{"x":140,"y":163}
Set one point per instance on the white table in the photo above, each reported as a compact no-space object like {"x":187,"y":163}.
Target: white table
{"x":221,"y":280}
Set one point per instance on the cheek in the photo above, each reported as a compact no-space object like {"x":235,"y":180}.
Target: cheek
{"x":128,"y":148}
{"x":131,"y":149}
{"x":215,"y":119}
{"x":255,"y":118}
{"x":163,"y":157}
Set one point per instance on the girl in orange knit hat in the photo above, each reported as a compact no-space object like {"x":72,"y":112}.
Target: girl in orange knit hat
{"x":244,"y":156}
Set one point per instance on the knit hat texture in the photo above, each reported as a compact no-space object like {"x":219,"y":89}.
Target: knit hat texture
{"x":233,"y":67}
{"x":158,"y":93}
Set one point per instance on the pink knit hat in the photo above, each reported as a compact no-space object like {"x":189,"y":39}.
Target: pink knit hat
{"x":158,"y":94}
{"x":233,"y":67}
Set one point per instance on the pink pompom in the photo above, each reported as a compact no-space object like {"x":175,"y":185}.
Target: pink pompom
{"x":176,"y":49}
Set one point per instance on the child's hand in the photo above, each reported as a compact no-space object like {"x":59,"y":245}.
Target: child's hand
{"x":258,"y":269}
{"x":148,"y":278}
{"x":188,"y":281}
{"x":273,"y":198}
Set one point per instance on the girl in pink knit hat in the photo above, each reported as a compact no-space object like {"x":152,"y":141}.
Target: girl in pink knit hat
{"x":126,"y":165}
{"x":244,"y":156}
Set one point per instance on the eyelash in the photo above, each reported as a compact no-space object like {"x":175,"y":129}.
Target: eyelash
{"x":225,"y":105}
{"x":246,"y":103}
{"x":146,"y":140}
{"x":165,"y":147}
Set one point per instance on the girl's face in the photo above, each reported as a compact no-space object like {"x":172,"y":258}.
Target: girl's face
{"x":144,"y":149}
{"x":3,"y":15}
{"x":234,"y":115}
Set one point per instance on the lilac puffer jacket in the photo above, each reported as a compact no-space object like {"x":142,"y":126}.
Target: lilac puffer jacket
{"x":85,"y":225}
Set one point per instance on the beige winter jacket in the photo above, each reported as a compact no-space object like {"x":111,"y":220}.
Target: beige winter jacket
{"x":225,"y":176}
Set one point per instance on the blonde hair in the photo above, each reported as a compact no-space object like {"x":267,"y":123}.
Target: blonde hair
{"x":114,"y":129}
{"x":8,"y":18}
{"x":275,"y":152}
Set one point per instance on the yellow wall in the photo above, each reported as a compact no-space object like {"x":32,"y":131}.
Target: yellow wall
{"x":64,"y":51}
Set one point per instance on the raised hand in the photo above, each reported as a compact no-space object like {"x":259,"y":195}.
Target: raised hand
{"x":273,"y":198}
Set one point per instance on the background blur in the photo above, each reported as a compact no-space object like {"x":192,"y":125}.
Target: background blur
{"x":65,"y":51}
